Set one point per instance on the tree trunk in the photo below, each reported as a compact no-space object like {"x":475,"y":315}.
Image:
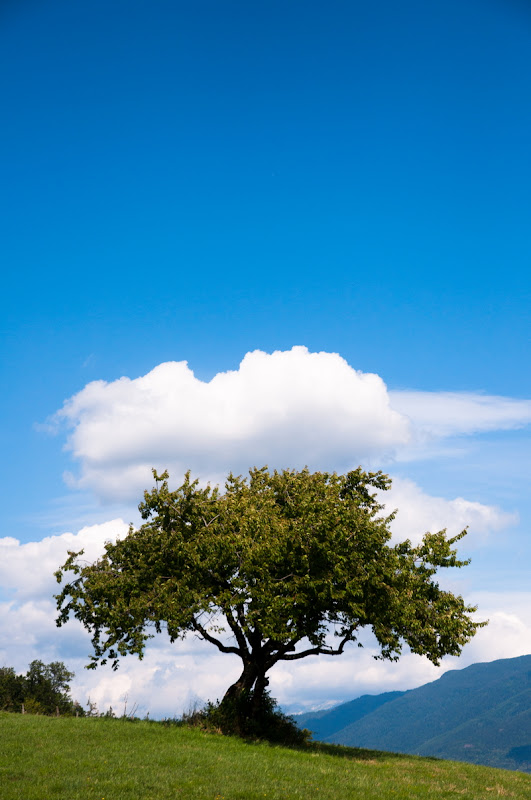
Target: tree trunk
{"x":260,"y":687}
{"x":243,"y":700}
{"x":244,"y":685}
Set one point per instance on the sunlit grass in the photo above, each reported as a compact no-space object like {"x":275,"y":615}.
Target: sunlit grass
{"x":44,"y":758}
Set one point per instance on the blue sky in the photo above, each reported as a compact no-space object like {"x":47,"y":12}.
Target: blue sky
{"x":197,"y":181}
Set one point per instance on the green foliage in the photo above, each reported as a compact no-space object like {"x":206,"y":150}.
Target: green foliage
{"x":12,"y":689}
{"x":278,"y":561}
{"x":32,"y":706}
{"x":47,"y":685}
{"x":44,"y":689}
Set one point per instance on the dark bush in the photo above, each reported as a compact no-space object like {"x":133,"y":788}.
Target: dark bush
{"x":243,"y":717}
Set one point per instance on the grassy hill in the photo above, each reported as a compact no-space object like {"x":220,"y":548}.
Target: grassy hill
{"x":480,"y":714}
{"x":43,"y":758}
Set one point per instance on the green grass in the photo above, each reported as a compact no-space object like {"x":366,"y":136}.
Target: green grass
{"x":43,"y":758}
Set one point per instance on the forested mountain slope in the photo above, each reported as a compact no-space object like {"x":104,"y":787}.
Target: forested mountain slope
{"x":480,"y":714}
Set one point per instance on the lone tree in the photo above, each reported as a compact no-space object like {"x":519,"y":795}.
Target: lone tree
{"x":278,"y":567}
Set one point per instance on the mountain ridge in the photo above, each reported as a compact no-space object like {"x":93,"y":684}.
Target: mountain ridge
{"x":478,"y":714}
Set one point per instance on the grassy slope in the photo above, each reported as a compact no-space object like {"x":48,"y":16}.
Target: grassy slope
{"x":101,"y":759}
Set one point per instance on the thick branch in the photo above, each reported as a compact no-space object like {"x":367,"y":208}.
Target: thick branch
{"x":237,"y":631}
{"x":316,"y":651}
{"x":240,"y":616}
{"x":223,"y":647}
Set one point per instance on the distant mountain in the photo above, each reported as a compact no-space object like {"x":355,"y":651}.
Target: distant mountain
{"x":327,"y":723}
{"x":481,"y":714}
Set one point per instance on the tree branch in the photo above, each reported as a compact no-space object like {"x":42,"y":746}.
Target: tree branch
{"x":206,"y":635}
{"x":285,"y":578}
{"x":316,"y":651}
{"x":237,"y":631}
{"x":206,"y":524}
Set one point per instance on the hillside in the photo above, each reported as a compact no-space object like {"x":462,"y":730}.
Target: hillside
{"x":325,"y":724}
{"x":46,"y":758}
{"x":480,"y":714}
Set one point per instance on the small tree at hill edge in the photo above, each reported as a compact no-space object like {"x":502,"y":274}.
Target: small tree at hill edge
{"x":268,"y":570}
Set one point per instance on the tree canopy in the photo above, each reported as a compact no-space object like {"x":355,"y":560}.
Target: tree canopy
{"x":277,"y":567}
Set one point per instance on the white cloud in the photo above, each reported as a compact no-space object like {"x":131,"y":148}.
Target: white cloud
{"x":286,"y":409}
{"x":508,"y":633}
{"x":170,"y":677}
{"x":169,"y":680}
{"x":164,"y":683}
{"x":443,"y":414}
{"x":27,"y":570}
{"x":313,"y":683}
{"x":419,"y":512}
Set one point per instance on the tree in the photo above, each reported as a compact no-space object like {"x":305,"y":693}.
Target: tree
{"x":288,"y":564}
{"x":43,"y":689}
{"x":46,"y":685}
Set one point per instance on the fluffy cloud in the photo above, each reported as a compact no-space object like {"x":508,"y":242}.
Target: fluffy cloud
{"x":170,"y":680}
{"x":508,"y":633}
{"x":317,"y":682}
{"x":285,"y":409}
{"x":172,"y":677}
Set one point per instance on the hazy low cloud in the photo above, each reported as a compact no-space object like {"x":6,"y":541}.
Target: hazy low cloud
{"x":419,"y":512}
{"x":319,"y":681}
{"x":27,"y":570}
{"x":285,"y":409}
{"x":171,"y":676}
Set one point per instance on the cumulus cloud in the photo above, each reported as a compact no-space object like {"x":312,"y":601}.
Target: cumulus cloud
{"x":172,"y":677}
{"x":285,"y":409}
{"x":508,"y":633}
{"x":169,"y":680}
